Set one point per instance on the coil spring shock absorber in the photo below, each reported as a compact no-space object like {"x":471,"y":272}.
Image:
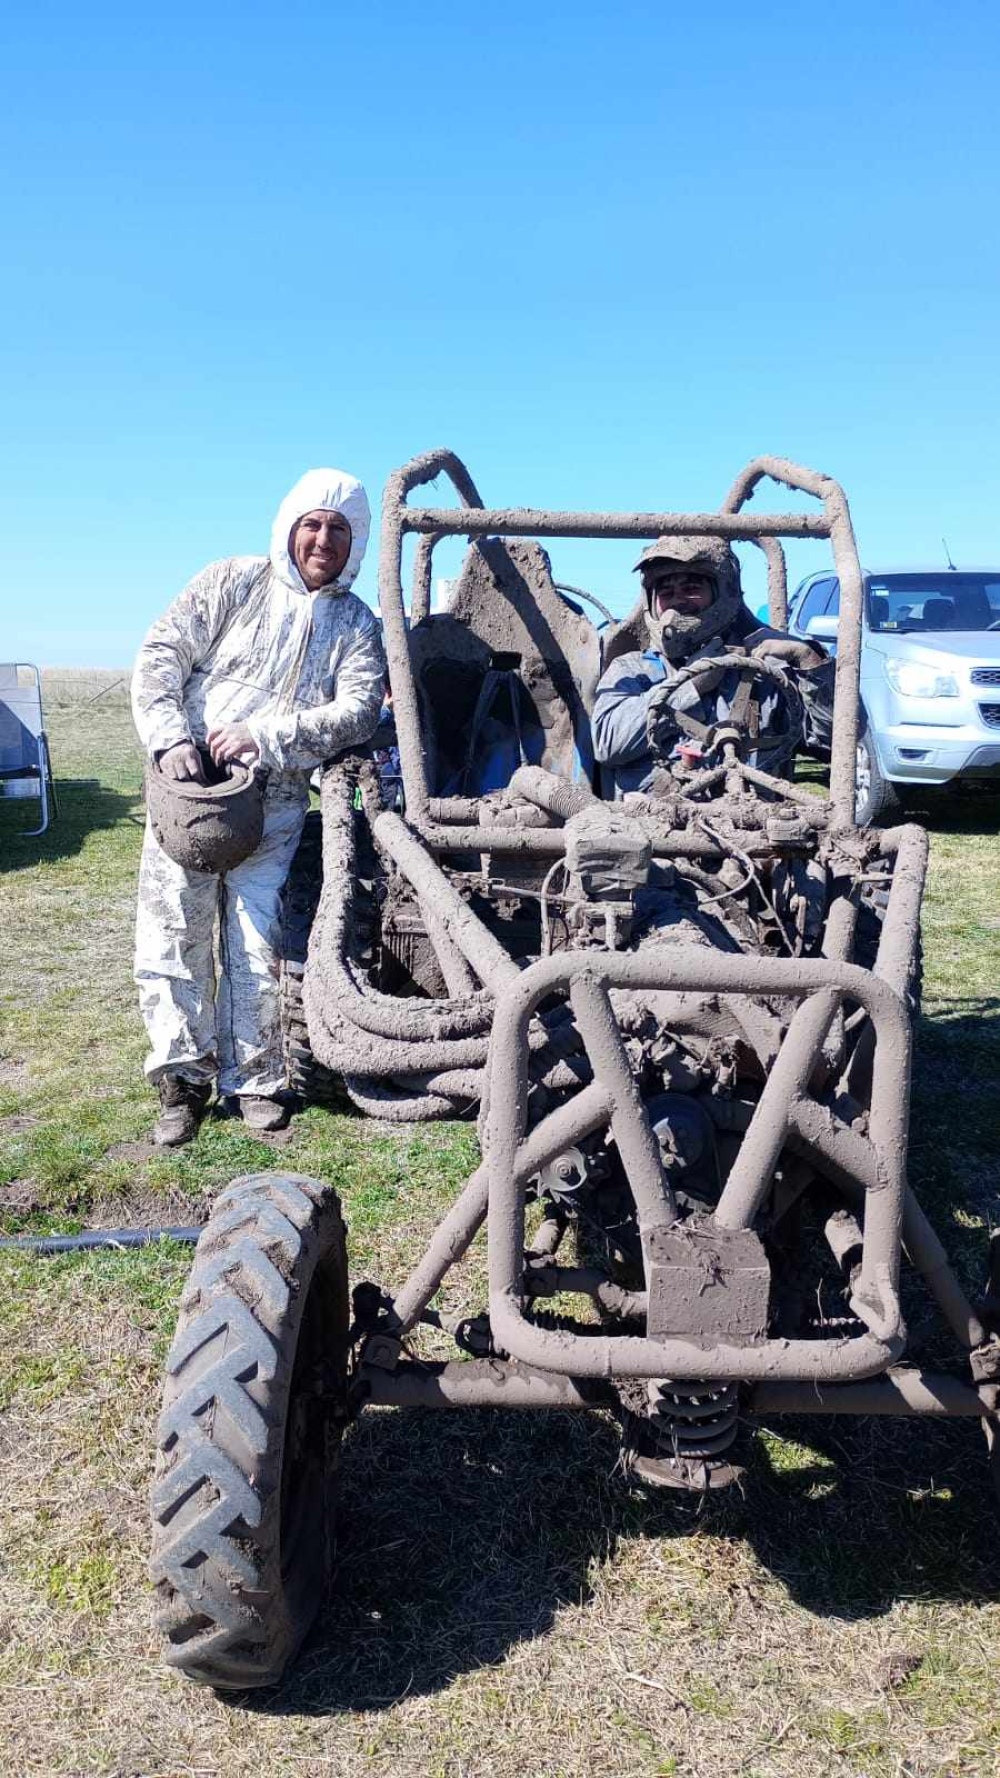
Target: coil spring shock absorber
{"x":690,"y":1427}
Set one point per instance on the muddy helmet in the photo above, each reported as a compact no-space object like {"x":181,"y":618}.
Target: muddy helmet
{"x":673,"y":633}
{"x":209,"y":827}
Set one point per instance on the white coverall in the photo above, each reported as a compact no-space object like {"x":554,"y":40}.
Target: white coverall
{"x":247,"y":642}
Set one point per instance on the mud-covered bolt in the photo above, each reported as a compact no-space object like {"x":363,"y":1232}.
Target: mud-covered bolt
{"x":383,"y":1351}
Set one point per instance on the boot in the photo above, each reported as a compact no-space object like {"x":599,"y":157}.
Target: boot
{"x":262,"y":1114}
{"x":183,"y":1104}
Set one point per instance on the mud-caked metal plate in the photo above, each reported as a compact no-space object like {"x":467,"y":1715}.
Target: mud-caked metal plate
{"x":706,"y":1282}
{"x":608,"y":856}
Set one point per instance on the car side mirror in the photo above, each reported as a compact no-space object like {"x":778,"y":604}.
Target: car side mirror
{"x":823,"y":628}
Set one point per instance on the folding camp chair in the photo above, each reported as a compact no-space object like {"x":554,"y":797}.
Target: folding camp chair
{"x":25,"y":767}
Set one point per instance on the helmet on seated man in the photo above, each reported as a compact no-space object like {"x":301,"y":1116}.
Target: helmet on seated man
{"x":692,"y":591}
{"x":693,"y":597}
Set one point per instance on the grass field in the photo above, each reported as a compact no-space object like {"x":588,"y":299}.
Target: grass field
{"x":503,"y":1603}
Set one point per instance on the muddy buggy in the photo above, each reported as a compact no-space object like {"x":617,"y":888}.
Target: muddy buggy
{"x":683,"y":1021}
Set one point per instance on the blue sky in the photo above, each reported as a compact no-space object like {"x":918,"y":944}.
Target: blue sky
{"x":606,"y":256}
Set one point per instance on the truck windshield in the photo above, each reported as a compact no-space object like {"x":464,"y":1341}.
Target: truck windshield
{"x":902,"y":603}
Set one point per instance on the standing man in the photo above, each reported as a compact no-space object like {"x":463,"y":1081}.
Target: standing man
{"x":694,"y":609}
{"x":272,"y":662}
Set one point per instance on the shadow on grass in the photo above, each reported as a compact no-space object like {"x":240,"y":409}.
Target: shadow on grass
{"x":959,"y":1033}
{"x":463,"y":1534}
{"x":957,"y":1048}
{"x":459,"y":1535}
{"x":958,"y":1042}
{"x":968,"y":808}
{"x":967,"y":1011}
{"x":954,"y":1155}
{"x":887,"y":1510}
{"x":85,"y":806}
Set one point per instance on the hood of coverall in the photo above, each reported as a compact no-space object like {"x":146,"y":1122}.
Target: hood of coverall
{"x":321,"y":490}
{"x":676,"y":634}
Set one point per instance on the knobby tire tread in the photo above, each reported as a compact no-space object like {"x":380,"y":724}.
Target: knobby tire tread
{"x":234,"y":1598}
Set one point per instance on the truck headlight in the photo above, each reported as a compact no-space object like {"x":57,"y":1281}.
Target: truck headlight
{"x":917,"y":681}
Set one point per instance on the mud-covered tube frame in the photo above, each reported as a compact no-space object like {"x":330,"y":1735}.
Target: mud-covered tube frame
{"x":820,"y":987}
{"x":438,"y":819}
{"x":849,"y":1160}
{"x":841,"y":1154}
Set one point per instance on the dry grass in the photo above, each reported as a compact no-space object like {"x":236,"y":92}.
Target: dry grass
{"x":67,"y":689}
{"x":504,"y":1603}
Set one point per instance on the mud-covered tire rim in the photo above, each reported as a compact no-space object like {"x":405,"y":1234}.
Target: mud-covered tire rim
{"x":253,"y":1409}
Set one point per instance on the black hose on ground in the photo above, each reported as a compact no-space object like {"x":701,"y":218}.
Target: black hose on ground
{"x":95,"y":1240}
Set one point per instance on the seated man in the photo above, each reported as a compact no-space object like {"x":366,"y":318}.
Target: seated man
{"x":695,"y":610}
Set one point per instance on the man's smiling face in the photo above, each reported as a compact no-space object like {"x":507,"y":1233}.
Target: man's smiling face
{"x":319,"y":546}
{"x":684,"y":590}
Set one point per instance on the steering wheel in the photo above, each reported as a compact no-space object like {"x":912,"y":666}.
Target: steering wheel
{"x":751,"y":670}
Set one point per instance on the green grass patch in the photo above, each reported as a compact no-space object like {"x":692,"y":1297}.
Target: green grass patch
{"x":85,"y":1585}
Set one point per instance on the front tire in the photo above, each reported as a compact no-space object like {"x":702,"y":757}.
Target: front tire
{"x":876,"y":800}
{"x":253,"y":1411}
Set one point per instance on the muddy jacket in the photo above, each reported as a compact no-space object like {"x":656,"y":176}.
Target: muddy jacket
{"x":624,"y":693}
{"x":247,"y":642}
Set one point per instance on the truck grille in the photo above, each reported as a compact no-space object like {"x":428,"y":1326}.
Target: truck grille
{"x":990,"y":714}
{"x":985,"y":675}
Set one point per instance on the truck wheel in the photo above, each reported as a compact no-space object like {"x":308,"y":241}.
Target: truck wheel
{"x":253,"y":1411}
{"x":875,"y":799}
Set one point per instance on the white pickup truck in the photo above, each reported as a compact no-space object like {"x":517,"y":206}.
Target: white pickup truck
{"x":930,"y":676}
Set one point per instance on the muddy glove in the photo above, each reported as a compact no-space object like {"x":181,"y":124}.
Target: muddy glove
{"x":670,"y":714}
{"x":789,"y":653}
{"x":710,"y":680}
{"x":662,"y":728}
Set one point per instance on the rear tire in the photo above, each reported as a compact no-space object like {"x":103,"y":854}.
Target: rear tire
{"x":876,"y":800}
{"x":307,"y":1078}
{"x":253,"y":1411}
